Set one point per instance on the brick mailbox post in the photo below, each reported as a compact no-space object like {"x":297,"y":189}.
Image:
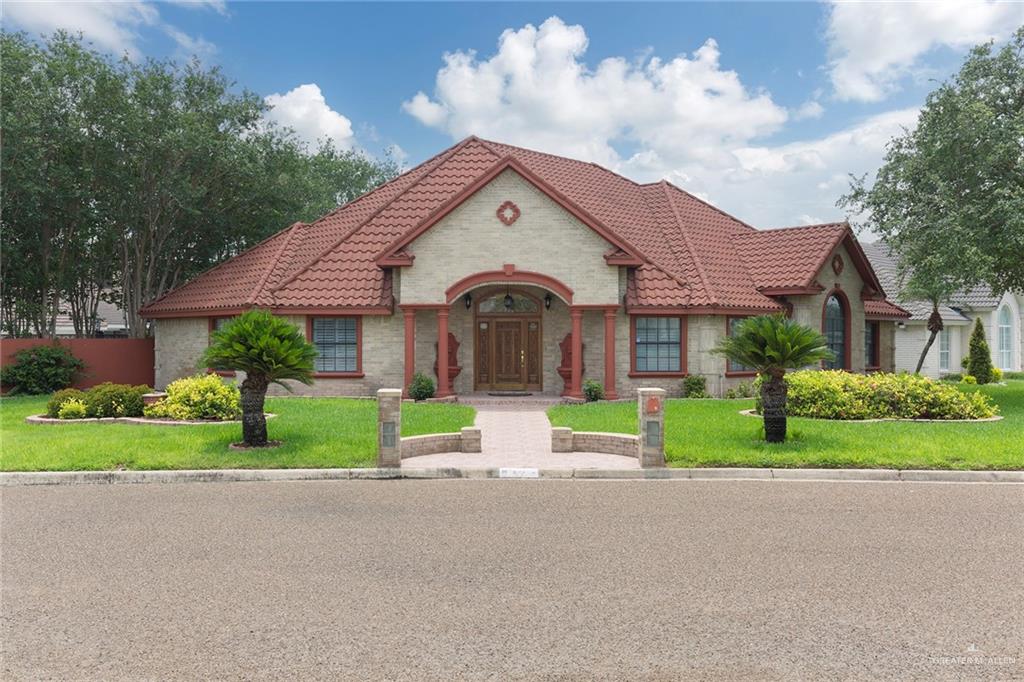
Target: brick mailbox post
{"x":651,"y":412}
{"x":389,"y":428}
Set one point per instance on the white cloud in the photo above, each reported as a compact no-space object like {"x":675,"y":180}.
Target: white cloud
{"x":189,"y":46}
{"x":111,"y":26}
{"x":218,"y":6}
{"x":809,"y":109}
{"x":305,"y":110}
{"x":537,"y":91}
{"x":872,"y":45}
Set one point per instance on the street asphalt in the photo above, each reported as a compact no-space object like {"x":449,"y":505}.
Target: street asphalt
{"x":477,"y":579}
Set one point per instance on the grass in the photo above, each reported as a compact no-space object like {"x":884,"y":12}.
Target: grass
{"x":317,"y":432}
{"x":712,"y":433}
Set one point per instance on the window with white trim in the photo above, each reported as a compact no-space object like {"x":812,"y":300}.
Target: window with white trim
{"x":944,"y":344}
{"x":658,"y":344}
{"x":1005,"y":338}
{"x":336,"y":340}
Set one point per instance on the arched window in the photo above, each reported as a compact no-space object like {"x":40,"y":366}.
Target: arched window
{"x":835,"y":331}
{"x":1005,"y":339}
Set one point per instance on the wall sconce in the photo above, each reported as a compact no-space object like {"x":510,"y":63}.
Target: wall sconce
{"x":547,"y":301}
{"x":901,"y":325}
{"x":468,"y":300}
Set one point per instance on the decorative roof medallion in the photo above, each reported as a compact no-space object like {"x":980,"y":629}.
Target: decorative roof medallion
{"x":508,"y":213}
{"x":837,"y":264}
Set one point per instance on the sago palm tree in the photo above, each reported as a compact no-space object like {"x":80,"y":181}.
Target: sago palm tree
{"x":772,"y":344}
{"x":270,"y":350}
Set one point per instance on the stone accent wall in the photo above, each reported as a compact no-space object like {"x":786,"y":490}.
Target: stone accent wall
{"x":546,"y":239}
{"x":610,"y":443}
{"x":179,"y":343}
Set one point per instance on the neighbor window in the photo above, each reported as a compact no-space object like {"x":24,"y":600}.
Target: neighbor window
{"x":944,"y":340}
{"x":731,"y":366}
{"x":658,"y":344}
{"x":337,"y":344}
{"x":871,"y":359}
{"x":1005,"y":339}
{"x":835,"y":332}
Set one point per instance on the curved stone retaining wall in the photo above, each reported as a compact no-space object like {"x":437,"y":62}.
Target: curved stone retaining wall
{"x":467,"y":440}
{"x":564,"y":439}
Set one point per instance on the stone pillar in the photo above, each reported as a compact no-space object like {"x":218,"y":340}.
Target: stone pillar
{"x":389,"y":428}
{"x":443,"y":389}
{"x":410,"y":348}
{"x":576,"y":388}
{"x":650,"y":404}
{"x":609,"y":354}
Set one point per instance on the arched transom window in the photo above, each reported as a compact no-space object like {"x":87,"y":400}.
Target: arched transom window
{"x":835,"y":331}
{"x":1005,"y":338}
{"x":508,"y":302}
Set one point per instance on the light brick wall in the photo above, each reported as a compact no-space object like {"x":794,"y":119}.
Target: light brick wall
{"x":178,"y":345}
{"x":545,"y":238}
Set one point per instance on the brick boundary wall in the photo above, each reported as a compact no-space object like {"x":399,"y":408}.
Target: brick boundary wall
{"x":468,"y":440}
{"x":564,"y":439}
{"x":121,"y":361}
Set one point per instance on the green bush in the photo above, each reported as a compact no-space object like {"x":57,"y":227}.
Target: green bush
{"x":72,"y":408}
{"x":979,"y":358}
{"x":968,"y":379}
{"x":593,"y":391}
{"x":41,"y":369}
{"x":730,"y":393}
{"x":61,"y":397}
{"x":421,"y":387}
{"x":695,"y":386}
{"x":203,"y":396}
{"x":1013,"y":375}
{"x":115,"y":400}
{"x":744,"y":390}
{"x":997,"y":375}
{"x":952,"y":376}
{"x":843,"y":395}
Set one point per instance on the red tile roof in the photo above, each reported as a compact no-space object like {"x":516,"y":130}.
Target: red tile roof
{"x":690,"y":253}
{"x":883,"y":309}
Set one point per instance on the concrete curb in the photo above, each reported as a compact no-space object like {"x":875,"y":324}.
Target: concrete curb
{"x":23,"y":478}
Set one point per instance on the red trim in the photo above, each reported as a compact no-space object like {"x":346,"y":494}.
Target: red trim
{"x":508,"y":220}
{"x":398,"y":260}
{"x":493,"y":172}
{"x":700,"y":310}
{"x":410,"y":347}
{"x":847,"y":318}
{"x":618,"y":257}
{"x":358,"y":374}
{"x":609,"y":353}
{"x":336,"y":311}
{"x":509,"y":275}
{"x":813,"y":288}
{"x":212,"y":321}
{"x":728,"y":332}
{"x":576,"y":388}
{"x":633,"y":372}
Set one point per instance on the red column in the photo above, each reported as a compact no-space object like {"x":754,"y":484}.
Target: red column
{"x":576,"y":391}
{"x":609,"y":354}
{"x":410,"y":348}
{"x":443,"y":389}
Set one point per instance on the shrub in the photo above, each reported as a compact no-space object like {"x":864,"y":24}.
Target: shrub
{"x":1013,"y":375}
{"x":968,"y":379}
{"x":695,"y":386}
{"x":964,"y":363}
{"x":115,"y":400}
{"x":842,"y":395}
{"x":204,"y":396}
{"x":72,"y":408}
{"x":952,"y":376}
{"x":730,"y":393}
{"x":996,"y":375}
{"x":593,"y":391}
{"x":421,"y":387}
{"x":61,"y":397}
{"x":745,"y":390}
{"x":41,"y":369}
{"x":979,"y":358}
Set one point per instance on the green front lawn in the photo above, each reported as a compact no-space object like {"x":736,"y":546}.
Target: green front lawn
{"x":317,"y":432}
{"x":712,"y":433}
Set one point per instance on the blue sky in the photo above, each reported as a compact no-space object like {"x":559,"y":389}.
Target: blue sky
{"x":761,"y":108}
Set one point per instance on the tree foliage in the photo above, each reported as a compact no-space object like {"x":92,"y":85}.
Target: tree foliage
{"x":772,"y":344}
{"x":949,"y":197}
{"x":979,"y":357}
{"x":123,"y":180}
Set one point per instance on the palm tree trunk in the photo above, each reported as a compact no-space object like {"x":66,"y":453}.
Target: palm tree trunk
{"x":934,"y":326}
{"x":773,"y":405}
{"x":254,"y":422}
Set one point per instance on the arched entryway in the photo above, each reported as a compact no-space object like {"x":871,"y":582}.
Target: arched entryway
{"x":508,"y":340}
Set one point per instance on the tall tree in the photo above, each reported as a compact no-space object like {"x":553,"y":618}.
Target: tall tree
{"x":949,"y":197}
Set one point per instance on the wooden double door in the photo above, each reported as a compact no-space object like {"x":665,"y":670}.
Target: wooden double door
{"x":508,"y":353}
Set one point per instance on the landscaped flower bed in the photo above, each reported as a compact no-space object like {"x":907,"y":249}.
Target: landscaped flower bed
{"x":847,"y":396}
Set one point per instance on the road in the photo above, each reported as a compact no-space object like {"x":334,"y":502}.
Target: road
{"x":513,"y":580}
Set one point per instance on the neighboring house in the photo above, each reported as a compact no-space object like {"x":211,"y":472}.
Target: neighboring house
{"x":531,"y":272}
{"x":110,"y":321}
{"x":1000,"y":315}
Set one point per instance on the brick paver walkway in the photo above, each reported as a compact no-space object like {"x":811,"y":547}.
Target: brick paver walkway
{"x":516,"y":433}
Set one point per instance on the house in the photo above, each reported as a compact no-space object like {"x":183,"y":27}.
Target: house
{"x":529,"y":272}
{"x":1000,"y":315}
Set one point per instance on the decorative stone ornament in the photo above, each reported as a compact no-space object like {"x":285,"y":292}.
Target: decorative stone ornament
{"x":508,"y":213}
{"x":837,"y":264}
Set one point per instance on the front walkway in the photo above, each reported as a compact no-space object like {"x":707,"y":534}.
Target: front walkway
{"x":516,"y":433}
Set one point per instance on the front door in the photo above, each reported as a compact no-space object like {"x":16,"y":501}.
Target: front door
{"x":507,"y":346}
{"x":509,"y":354}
